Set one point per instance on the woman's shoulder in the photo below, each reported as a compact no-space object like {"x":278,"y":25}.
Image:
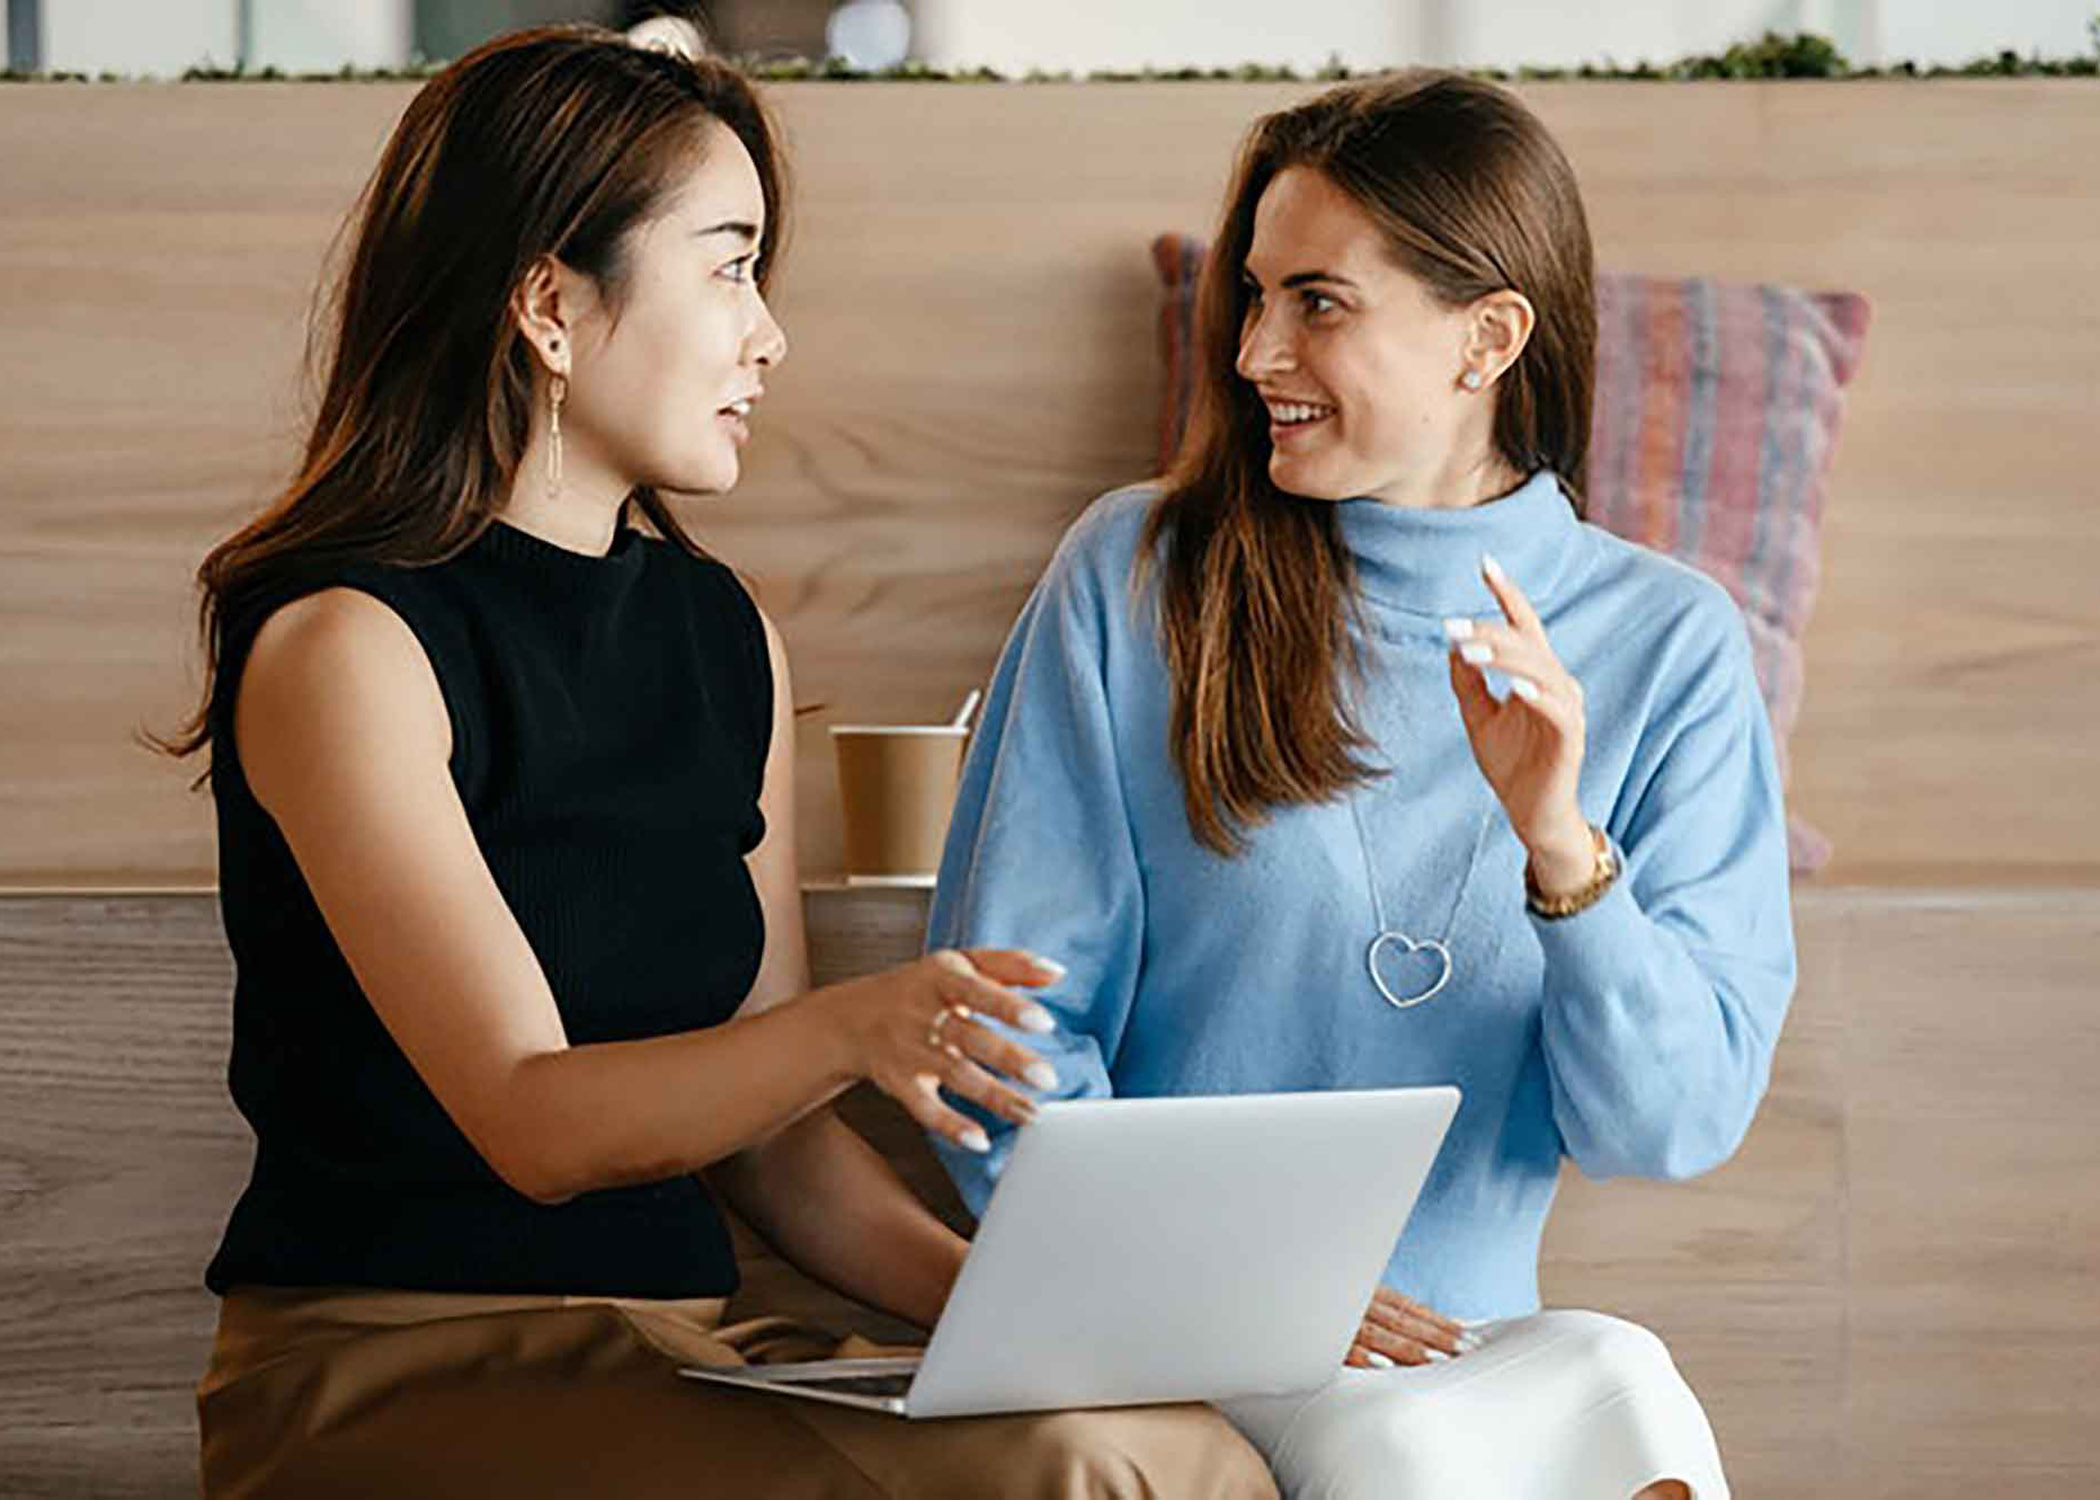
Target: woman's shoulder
{"x":711,"y":587}
{"x":700,"y":571}
{"x":1668,"y":606}
{"x":350,"y":616}
{"x":325,"y":663}
{"x":721,"y":596}
{"x":1103,"y":542}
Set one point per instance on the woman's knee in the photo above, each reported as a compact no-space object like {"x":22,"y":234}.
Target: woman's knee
{"x":1369,"y":1440}
{"x":1611,"y":1350}
{"x":1363,"y":1440}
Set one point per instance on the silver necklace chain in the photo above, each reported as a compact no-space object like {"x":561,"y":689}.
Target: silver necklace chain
{"x":1440,"y":946}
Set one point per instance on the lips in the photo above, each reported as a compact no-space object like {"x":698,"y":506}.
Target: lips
{"x":1293,"y":420}
{"x":1291,"y":413}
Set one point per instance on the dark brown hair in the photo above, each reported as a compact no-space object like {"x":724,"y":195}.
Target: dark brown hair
{"x":1257,"y":589}
{"x":556,"y":142}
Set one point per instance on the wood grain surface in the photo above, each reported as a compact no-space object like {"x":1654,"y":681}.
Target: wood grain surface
{"x":1890,"y":1291}
{"x":970,"y":312}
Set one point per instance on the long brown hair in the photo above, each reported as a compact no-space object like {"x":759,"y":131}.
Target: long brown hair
{"x":1257,"y":589}
{"x":553,"y":142}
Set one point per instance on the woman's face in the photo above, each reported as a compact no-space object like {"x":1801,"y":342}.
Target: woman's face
{"x":1361,"y":368}
{"x":661,"y":395}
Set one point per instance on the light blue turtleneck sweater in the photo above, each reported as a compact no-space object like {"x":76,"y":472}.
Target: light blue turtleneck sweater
{"x":1635,"y":1037}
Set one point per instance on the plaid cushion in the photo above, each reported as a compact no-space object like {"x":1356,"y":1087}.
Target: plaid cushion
{"x":1716,"y":415}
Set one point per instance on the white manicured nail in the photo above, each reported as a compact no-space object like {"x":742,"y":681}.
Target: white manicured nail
{"x":1458,"y":628}
{"x":976,"y":1140}
{"x":1489,"y":566}
{"x":1436,"y":1356}
{"x":1037,"y":1020}
{"x":1376,"y":1360}
{"x":1524,"y":688}
{"x":1479,"y":653}
{"x":1057,"y":970}
{"x":1040,"y":1075}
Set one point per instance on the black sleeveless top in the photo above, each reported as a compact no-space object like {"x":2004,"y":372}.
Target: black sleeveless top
{"x":610,"y":722}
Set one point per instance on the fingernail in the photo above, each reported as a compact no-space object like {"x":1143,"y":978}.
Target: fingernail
{"x":1468,"y":1342}
{"x":1055,"y":969}
{"x":1376,"y":1360}
{"x":1479,"y":653}
{"x":962,"y":1012}
{"x":1040,"y":1075}
{"x":1458,"y":628}
{"x":976,"y":1140}
{"x":1524,"y":688}
{"x":1436,"y":1356}
{"x":1037,"y":1020}
{"x":1489,"y":566}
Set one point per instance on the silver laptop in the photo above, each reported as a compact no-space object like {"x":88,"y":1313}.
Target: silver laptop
{"x":1147,"y":1250}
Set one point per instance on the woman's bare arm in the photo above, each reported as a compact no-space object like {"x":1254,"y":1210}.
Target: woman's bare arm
{"x":344,"y":738}
{"x":816,"y":1191}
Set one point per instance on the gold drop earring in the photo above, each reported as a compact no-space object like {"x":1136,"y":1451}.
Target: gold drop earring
{"x":557,"y":393}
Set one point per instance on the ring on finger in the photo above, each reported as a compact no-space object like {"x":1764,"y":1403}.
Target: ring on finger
{"x":934,"y":1039}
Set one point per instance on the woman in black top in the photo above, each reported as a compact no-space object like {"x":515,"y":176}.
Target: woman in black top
{"x":505,"y":799}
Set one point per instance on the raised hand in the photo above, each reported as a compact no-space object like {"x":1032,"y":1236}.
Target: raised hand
{"x":1529,"y":745}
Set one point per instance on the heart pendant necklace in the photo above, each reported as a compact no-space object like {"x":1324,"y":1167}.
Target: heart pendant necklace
{"x":1438,"y":948}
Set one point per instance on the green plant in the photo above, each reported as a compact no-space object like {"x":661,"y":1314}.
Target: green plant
{"x":1802,"y":55}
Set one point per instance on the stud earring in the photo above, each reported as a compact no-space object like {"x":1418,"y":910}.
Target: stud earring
{"x":1472,"y":380}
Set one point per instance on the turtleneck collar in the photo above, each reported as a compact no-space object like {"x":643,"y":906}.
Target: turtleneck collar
{"x":562,"y":571}
{"x":1427,"y":562}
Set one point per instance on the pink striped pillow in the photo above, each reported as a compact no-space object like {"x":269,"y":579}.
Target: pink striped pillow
{"x":1716,"y":415}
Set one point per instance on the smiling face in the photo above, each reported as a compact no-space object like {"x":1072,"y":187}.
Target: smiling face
{"x":1361,"y":368}
{"x":661,"y":391}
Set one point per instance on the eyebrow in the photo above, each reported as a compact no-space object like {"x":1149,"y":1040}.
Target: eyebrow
{"x":743,"y":229}
{"x":1302,"y":278}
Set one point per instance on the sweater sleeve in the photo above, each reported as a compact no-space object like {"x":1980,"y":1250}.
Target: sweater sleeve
{"x":1663,"y":1002}
{"x":1040,"y":853}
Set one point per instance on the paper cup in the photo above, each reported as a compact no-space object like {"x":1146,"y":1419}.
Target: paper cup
{"x":896,"y":789}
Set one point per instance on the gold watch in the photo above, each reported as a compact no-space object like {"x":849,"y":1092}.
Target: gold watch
{"x":1555,"y":907}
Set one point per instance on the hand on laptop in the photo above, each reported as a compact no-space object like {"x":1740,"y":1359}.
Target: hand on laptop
{"x":1400,"y":1331}
{"x":914,"y":1031}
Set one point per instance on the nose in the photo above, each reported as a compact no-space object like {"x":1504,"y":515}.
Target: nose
{"x":1264,"y":350}
{"x":768,"y":344}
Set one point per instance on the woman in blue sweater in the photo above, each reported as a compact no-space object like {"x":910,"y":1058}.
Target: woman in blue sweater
{"x":1349,"y":756}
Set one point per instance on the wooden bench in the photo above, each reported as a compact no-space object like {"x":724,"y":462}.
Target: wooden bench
{"x":1838,"y":1294}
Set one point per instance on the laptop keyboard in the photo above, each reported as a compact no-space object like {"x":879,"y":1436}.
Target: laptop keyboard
{"x":859,"y":1385}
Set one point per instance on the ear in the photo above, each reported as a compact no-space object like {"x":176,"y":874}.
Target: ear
{"x":1498,"y":327}
{"x":540,"y":310}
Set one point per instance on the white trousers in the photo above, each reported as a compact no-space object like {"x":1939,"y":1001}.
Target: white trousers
{"x":1561,"y":1405}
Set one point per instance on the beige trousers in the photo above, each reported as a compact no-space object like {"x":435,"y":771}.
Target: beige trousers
{"x":327,"y":1393}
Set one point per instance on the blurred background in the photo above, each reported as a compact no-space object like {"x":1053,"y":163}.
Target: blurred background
{"x":167,"y":37}
{"x":1891,"y":1292}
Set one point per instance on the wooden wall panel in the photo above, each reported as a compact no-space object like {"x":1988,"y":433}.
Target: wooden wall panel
{"x":1744,"y":1272}
{"x":970,"y":312}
